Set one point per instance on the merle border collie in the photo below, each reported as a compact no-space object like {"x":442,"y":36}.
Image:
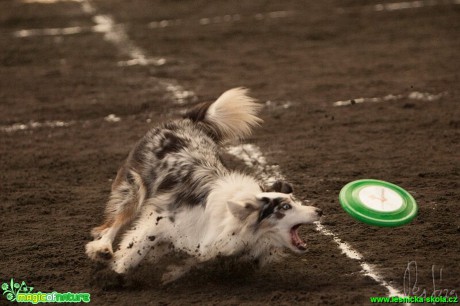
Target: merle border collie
{"x":175,"y":194}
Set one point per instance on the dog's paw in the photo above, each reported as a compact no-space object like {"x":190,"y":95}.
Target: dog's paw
{"x":280,"y":186}
{"x":99,"y":250}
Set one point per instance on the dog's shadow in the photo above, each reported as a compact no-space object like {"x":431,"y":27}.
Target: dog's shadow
{"x":221,"y":276}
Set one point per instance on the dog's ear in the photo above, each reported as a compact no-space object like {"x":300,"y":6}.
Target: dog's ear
{"x":280,"y":186}
{"x":240,"y":210}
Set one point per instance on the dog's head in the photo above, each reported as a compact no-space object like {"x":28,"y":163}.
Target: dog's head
{"x":277,"y":215}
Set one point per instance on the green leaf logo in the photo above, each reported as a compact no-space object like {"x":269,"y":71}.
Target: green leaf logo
{"x":10,"y":290}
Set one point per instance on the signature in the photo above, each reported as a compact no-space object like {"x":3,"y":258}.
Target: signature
{"x":411,"y":287}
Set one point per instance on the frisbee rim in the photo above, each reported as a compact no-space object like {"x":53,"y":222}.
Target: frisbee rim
{"x":352,"y":204}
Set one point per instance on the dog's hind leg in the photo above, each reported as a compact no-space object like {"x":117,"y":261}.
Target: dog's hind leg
{"x":127,"y":196}
{"x":138,"y":241}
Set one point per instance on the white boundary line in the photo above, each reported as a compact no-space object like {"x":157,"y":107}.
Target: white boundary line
{"x":415,"y":95}
{"x":116,"y":34}
{"x":32,"y":125}
{"x":250,"y":154}
{"x":53,"y":31}
{"x":397,"y":6}
{"x":205,"y":21}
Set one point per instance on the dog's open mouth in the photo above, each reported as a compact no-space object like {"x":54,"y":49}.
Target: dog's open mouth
{"x":296,"y":240}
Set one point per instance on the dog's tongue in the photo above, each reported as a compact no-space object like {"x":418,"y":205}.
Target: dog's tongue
{"x":296,"y":240}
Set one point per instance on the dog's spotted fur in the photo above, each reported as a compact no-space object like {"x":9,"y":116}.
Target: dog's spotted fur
{"x":182,"y":197}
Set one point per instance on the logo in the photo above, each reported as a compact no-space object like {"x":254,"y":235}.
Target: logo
{"x":21,"y":293}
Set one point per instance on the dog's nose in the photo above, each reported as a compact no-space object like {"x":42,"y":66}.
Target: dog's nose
{"x":319,"y":212}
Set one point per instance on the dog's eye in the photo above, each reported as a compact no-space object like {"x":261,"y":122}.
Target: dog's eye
{"x":286,"y":206}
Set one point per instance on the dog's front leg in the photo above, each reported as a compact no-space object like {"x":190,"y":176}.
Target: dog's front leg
{"x":101,"y":248}
{"x":137,"y":242}
{"x":132,"y":250}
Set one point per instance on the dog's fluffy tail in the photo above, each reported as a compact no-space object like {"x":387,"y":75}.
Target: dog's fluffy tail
{"x":231,"y":116}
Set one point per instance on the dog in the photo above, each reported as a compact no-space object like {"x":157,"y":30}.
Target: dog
{"x":175,"y":193}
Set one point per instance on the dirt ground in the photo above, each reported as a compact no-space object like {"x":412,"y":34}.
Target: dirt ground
{"x":54,"y":181}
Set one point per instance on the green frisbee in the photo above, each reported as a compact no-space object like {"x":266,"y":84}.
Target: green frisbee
{"x":378,"y":203}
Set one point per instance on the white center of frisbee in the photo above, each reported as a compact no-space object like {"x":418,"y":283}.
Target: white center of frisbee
{"x":380,"y":198}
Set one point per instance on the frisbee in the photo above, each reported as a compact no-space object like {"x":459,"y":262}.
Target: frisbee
{"x":378,"y":203}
